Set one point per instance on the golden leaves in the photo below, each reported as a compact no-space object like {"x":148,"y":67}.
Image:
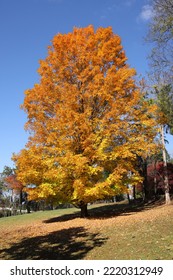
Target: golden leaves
{"x":87,"y":119}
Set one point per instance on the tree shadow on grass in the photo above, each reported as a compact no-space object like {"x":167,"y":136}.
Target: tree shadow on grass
{"x":113,"y":210}
{"x":122,"y":209}
{"x":99,"y":212}
{"x":110,"y":210}
{"x":62,"y":218}
{"x":66,"y":244}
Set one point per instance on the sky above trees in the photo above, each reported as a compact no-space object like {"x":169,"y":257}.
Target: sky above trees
{"x":27,"y":27}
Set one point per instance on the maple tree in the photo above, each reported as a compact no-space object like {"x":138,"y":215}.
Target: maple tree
{"x":88,"y":121}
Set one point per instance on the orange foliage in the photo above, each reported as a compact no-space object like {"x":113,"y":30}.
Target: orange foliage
{"x":12,"y":183}
{"x":87,"y":118}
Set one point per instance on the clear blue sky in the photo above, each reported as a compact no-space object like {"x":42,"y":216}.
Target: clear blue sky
{"x":26,"y":29}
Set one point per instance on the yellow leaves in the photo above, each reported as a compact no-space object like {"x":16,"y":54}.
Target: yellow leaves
{"x":46,"y":190}
{"x":42,"y":192}
{"x":95,"y":170}
{"x":87,"y":118}
{"x":100,"y":190}
{"x":79,"y":189}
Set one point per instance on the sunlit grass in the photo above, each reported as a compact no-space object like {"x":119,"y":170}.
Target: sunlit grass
{"x":113,"y":231}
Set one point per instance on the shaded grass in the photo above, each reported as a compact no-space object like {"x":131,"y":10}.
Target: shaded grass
{"x":113,"y":231}
{"x":65,"y":244}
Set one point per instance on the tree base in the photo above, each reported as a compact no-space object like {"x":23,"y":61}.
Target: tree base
{"x":167,"y":198}
{"x":84,"y":211}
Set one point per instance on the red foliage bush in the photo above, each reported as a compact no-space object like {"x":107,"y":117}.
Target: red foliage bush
{"x":155,"y":176}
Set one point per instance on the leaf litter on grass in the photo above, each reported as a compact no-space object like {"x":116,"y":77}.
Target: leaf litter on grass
{"x":144,"y":234}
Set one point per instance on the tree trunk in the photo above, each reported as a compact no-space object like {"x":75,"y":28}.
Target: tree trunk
{"x":128,"y":197}
{"x":20,"y":201}
{"x":155,"y":179}
{"x":84,"y":210}
{"x":28,"y":209}
{"x":166,"y":181}
{"x":145,"y":182}
{"x":134,"y":193}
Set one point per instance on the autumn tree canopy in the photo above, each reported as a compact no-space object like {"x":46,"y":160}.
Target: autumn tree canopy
{"x":87,"y":119}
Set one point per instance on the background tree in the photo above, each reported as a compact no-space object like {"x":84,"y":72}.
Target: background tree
{"x":11,"y":187}
{"x":5,"y":193}
{"x":161,"y":35}
{"x":88,"y":121}
{"x":156,"y":177}
{"x":16,"y":187}
{"x":161,"y":60}
{"x":6,"y":196}
{"x":164,"y":99}
{"x":4,"y":201}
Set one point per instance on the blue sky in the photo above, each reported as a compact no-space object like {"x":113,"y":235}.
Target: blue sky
{"x":26,"y":29}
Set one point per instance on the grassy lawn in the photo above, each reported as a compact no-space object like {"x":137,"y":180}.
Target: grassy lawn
{"x":113,"y":231}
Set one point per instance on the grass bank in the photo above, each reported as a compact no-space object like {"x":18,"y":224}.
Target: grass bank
{"x":113,"y":231}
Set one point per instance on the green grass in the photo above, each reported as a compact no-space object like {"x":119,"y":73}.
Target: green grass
{"x":113,"y":231}
{"x":33,"y":217}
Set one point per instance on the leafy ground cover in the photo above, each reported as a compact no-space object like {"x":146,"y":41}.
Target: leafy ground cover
{"x":113,"y":231}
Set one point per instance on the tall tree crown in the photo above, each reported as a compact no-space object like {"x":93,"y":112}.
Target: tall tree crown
{"x":87,"y":119}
